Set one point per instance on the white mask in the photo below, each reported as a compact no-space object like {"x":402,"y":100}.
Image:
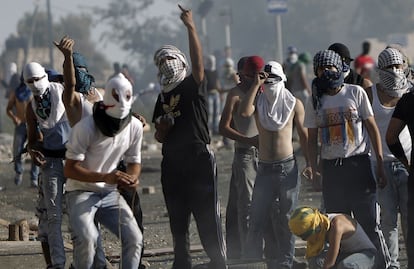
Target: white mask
{"x":39,"y":87}
{"x":35,"y":78}
{"x":118,"y":97}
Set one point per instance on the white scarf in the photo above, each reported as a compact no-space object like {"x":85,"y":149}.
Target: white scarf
{"x":274,"y":106}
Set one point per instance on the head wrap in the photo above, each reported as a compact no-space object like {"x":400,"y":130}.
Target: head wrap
{"x":329,"y":79}
{"x":79,"y":60}
{"x":312,"y":226}
{"x":84,"y":80}
{"x":171,"y":72}
{"x":118,"y":97}
{"x":113,"y":114}
{"x":327,"y":58}
{"x":389,"y":56}
{"x":393,"y":80}
{"x":275,"y":104}
{"x":35,"y":70}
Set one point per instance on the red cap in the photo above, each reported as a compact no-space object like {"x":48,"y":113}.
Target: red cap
{"x":253,"y":64}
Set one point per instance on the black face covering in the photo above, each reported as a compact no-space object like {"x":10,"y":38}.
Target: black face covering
{"x":320,"y":85}
{"x":108,"y":125}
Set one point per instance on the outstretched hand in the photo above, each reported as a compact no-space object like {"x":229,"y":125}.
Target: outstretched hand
{"x":65,"y":45}
{"x":186,"y":16}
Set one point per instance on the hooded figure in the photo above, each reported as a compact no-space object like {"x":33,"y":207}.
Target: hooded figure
{"x":113,"y":114}
{"x":275,"y":104}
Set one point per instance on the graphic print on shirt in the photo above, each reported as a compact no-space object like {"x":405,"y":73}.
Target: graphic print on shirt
{"x":338,"y":130}
{"x":172,"y":105}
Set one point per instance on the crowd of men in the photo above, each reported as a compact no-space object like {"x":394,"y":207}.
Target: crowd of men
{"x":355,"y":134}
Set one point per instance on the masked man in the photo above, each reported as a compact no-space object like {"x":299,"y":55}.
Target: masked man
{"x":96,"y":145}
{"x":188,"y":168}
{"x":277,"y":179}
{"x":48,"y":131}
{"x":342,"y":115}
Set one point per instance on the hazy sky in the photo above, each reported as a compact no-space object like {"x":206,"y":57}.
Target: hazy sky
{"x":13,"y":11}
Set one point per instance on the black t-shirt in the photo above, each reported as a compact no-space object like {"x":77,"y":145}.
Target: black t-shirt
{"x":188,"y":105}
{"x":404,"y":111}
{"x":354,"y":78}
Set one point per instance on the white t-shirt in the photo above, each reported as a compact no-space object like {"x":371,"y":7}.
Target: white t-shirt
{"x":340,"y":120}
{"x":383,"y":116}
{"x":101,"y":153}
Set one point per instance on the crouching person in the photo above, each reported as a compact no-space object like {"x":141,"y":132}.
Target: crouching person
{"x":333,"y":240}
{"x":95,"y":147}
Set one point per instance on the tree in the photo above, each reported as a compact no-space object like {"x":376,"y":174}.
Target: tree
{"x":32,"y":31}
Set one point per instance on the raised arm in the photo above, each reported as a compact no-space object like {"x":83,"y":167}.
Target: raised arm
{"x":196,"y":51}
{"x":247,"y":106}
{"x":71,"y":99}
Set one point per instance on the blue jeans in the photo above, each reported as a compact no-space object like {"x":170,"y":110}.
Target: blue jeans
{"x":358,"y":260}
{"x":214,"y":111}
{"x":393,"y":200}
{"x":111,"y":210}
{"x":244,"y":170}
{"x":275,"y":195}
{"x":20,"y":137}
{"x":50,"y":209}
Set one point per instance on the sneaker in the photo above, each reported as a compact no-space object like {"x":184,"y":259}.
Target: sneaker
{"x":2,"y":188}
{"x":18,"y":179}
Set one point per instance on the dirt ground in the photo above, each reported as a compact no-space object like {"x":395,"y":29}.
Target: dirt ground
{"x":18,"y":202}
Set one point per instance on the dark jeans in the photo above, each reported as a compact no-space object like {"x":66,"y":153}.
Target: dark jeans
{"x":349,"y":187}
{"x":189,"y":182}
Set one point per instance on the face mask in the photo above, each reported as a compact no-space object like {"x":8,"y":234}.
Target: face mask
{"x":329,"y":80}
{"x":293,"y":58}
{"x":118,"y":97}
{"x":393,"y":81}
{"x":171,"y":68}
{"x":39,"y":87}
{"x":83,"y":80}
{"x":271,"y":91}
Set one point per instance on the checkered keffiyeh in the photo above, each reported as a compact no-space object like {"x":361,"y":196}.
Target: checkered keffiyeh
{"x":177,"y":70}
{"x":327,"y":58}
{"x":389,"y":56}
{"x":169,"y":50}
